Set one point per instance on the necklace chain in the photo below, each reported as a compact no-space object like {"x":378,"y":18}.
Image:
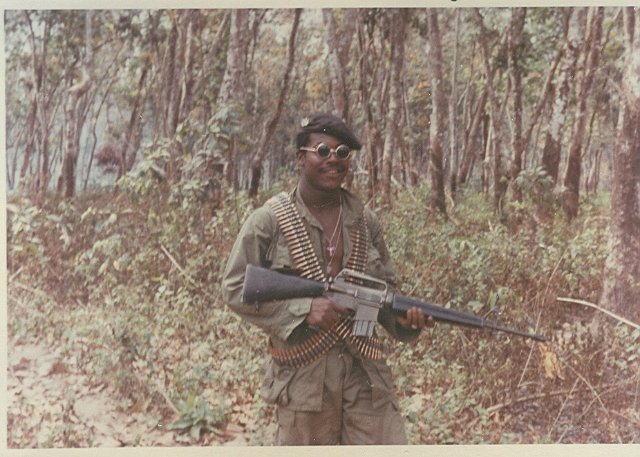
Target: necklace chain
{"x":331,"y":247}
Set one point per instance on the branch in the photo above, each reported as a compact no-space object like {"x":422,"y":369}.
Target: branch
{"x":594,"y":306}
{"x":177,"y":265}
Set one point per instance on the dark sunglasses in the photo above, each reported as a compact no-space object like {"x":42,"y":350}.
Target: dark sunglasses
{"x":323,"y":150}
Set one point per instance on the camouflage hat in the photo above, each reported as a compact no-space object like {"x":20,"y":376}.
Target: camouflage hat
{"x":328,"y":124}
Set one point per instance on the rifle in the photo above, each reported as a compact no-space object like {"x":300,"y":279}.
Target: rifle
{"x":361,"y":293}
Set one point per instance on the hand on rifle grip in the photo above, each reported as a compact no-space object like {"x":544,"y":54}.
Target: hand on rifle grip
{"x":324,"y":313}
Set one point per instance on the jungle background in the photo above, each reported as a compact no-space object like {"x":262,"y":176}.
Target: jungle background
{"x":501,"y":151}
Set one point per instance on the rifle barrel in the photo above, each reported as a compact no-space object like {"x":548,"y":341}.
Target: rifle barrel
{"x":439,"y":313}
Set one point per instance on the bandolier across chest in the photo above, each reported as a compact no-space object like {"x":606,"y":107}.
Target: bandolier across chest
{"x":308,"y":264}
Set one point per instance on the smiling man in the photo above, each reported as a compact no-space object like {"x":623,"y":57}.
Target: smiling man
{"x":338,"y":393}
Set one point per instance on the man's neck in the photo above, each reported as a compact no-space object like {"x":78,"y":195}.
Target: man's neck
{"x":315,"y":198}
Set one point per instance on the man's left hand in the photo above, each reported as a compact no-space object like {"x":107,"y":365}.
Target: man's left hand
{"x":415,"y":320}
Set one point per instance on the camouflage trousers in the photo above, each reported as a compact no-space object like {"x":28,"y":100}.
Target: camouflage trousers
{"x":349,"y":411}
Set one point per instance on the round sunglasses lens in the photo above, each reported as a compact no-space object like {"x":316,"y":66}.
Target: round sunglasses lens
{"x":323,"y":150}
{"x":343,"y":151}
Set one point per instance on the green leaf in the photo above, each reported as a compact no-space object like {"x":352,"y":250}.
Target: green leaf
{"x":475,"y":305}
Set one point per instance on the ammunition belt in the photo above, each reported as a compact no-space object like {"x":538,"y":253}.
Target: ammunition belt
{"x":290,"y":222}
{"x":320,"y":343}
{"x":307,"y":262}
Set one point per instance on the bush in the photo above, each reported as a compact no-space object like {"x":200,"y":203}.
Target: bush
{"x":129,"y":284}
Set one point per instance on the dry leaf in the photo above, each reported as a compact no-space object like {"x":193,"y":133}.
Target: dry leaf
{"x":550,"y":362}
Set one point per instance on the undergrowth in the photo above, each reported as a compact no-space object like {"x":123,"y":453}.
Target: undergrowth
{"x":128,"y":283}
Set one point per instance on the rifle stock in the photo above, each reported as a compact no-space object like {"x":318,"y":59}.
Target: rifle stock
{"x":262,"y":284}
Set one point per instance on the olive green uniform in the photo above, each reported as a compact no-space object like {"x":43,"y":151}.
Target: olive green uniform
{"x":341,"y":397}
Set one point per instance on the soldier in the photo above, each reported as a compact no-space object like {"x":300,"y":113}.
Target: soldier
{"x":342,"y":394}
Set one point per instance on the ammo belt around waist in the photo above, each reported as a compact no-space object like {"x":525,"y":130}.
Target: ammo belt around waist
{"x":307,"y":262}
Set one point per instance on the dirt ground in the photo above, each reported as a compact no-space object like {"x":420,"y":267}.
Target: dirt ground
{"x":51,"y":405}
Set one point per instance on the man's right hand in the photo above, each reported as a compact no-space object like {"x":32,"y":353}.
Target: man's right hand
{"x":324,"y":313}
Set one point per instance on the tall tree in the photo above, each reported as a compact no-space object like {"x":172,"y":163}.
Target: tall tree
{"x":41,"y":98}
{"x":591,"y":54}
{"x":438,"y":130}
{"x":622,"y":272}
{"x":270,"y":126}
{"x":398,"y":21}
{"x":453,"y":103}
{"x":75,"y":116}
{"x":338,"y":39}
{"x":515,"y":74}
{"x":366,"y":49}
{"x":494,"y":143}
{"x":471,"y":139}
{"x":555,"y":128}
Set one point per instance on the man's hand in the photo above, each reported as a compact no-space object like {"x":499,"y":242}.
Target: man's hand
{"x":324,"y":313}
{"x":415,"y":320}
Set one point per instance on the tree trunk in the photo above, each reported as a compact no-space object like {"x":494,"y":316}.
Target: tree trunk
{"x":133,"y":134}
{"x":394,"y":111}
{"x":37,"y":128}
{"x":547,"y":88}
{"x":574,"y":162}
{"x":74,"y":120}
{"x":338,"y":40}
{"x":188,"y":77}
{"x":270,"y":127}
{"x":364,"y":46}
{"x":453,"y":103}
{"x":204,"y":77}
{"x":494,"y":139}
{"x":515,"y":73}
{"x":471,"y":143}
{"x":553,"y":137}
{"x":231,"y":89}
{"x":438,"y":128}
{"x":622,"y":272}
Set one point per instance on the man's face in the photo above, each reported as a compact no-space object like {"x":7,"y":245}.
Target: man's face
{"x":322,"y":173}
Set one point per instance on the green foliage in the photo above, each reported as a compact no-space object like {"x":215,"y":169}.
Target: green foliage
{"x":130,"y":287}
{"x":197,"y":417}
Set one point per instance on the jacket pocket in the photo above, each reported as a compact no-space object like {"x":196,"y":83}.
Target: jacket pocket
{"x":381,"y":379}
{"x":279,"y":257}
{"x":306,"y":389}
{"x":274,"y":385}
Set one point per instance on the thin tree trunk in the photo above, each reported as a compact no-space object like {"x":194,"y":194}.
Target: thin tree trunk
{"x":133,"y":134}
{"x":204,"y":76}
{"x":438,"y":114}
{"x":494,"y":138}
{"x":453,"y":103}
{"x":470,"y":146}
{"x":394,"y":111}
{"x":515,"y":73}
{"x":270,"y":127}
{"x":574,"y":162}
{"x":553,"y":137}
{"x":622,"y":271}
{"x":230,"y":93}
{"x":188,"y":78}
{"x":74,"y":120}
{"x":338,"y":40}
{"x":365,"y":99}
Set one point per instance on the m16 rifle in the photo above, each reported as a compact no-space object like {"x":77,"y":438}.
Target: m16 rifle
{"x":361,"y":293}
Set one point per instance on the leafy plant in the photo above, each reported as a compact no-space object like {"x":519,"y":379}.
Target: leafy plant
{"x":196,"y":416}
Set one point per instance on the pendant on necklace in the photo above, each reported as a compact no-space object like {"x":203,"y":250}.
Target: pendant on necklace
{"x":331,"y":250}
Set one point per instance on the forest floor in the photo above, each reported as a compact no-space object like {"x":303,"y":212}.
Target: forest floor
{"x":52,"y":404}
{"x":114,"y":342}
